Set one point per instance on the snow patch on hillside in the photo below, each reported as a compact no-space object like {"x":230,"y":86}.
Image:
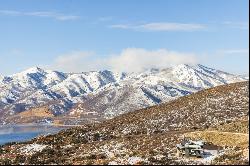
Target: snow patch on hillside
{"x":32,"y":148}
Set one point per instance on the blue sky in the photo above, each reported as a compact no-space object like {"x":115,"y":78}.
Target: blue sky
{"x":74,"y":35}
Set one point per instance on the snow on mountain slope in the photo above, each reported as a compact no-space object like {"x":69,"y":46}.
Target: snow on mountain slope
{"x":36,"y":87}
{"x":28,"y":89}
{"x":104,"y":93}
{"x":150,"y":88}
{"x":84,"y":83}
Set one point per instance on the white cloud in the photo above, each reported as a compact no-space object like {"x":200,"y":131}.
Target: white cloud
{"x":129,"y":60}
{"x":54,"y":15}
{"x":137,"y":59}
{"x":161,"y":26}
{"x":76,"y":61}
{"x":104,"y":19}
{"x":234,"y":52}
{"x":238,"y":25}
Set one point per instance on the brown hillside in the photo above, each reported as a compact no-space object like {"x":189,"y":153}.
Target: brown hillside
{"x":201,"y":110}
{"x":149,"y":134}
{"x":30,"y":116}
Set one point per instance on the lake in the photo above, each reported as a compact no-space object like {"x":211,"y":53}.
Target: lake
{"x":19,"y":133}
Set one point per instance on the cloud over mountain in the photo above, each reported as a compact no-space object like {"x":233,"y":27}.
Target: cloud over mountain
{"x":128,"y":60}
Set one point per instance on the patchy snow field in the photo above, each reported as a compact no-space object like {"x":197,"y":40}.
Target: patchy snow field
{"x":32,"y":148}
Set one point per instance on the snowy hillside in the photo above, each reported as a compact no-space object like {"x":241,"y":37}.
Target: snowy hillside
{"x":218,"y":116}
{"x":150,"y":88}
{"x":103,"y":94}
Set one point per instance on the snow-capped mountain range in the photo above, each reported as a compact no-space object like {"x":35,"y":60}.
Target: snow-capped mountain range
{"x":103,"y":94}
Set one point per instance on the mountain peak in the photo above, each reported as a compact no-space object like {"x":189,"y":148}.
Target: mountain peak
{"x":193,"y":67}
{"x":125,"y":92}
{"x":34,"y":70}
{"x":184,"y":66}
